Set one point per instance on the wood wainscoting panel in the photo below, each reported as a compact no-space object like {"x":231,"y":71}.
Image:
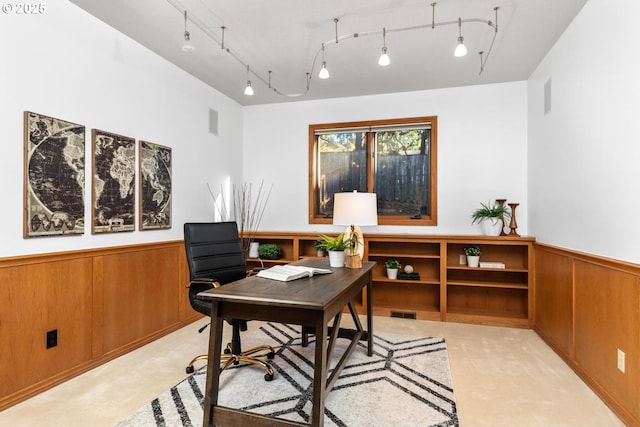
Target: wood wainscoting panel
{"x":607,"y":315}
{"x":37,"y":298}
{"x":140,"y":294}
{"x":553,"y":313}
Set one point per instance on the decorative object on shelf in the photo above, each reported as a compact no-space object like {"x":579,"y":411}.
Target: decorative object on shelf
{"x":408,"y":273}
{"x":269,"y":251}
{"x":350,"y":209}
{"x":336,"y":247}
{"x":501,"y":203}
{"x":489,"y":217}
{"x":513,"y":225}
{"x":253,"y":250}
{"x":473,"y":255}
{"x":320,"y":252}
{"x":392,"y":266}
{"x":248,"y":208}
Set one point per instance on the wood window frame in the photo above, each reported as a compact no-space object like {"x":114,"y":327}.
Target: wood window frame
{"x":430,"y":220}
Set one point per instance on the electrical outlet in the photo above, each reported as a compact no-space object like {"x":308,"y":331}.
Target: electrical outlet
{"x":621,"y":360}
{"x":52,"y":338}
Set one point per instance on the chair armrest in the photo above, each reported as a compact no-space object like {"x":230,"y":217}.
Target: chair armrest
{"x":211,"y":282}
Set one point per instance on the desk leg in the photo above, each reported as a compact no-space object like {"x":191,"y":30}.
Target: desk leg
{"x":320,"y":374}
{"x":213,"y":367}
{"x":369,"y":318}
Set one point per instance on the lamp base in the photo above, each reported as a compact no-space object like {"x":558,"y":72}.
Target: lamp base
{"x":353,"y":261}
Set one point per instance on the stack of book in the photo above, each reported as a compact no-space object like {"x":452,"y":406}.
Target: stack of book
{"x":491,"y":264}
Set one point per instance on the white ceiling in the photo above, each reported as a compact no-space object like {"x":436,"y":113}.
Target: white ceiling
{"x":285,"y":37}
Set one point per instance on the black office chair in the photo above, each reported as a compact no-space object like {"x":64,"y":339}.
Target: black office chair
{"x":215,"y":258}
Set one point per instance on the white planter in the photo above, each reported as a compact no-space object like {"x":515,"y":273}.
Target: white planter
{"x":392,"y":273}
{"x":253,"y":249}
{"x":491,"y":226}
{"x":336,"y":258}
{"x":473,"y":261}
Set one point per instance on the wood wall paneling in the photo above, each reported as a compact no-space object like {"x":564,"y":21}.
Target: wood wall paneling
{"x":38,"y":298}
{"x":104,"y":302}
{"x":553,"y":313}
{"x":141,"y":294}
{"x":607,"y":318}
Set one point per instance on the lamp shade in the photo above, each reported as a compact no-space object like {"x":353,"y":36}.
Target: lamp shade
{"x":355,"y":209}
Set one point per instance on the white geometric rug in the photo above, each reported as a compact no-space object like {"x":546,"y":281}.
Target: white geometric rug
{"x":407,"y":382}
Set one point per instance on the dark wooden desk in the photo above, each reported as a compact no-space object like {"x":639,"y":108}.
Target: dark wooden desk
{"x":312,"y":303}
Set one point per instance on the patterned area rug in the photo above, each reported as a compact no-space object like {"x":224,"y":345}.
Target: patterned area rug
{"x":407,"y":382}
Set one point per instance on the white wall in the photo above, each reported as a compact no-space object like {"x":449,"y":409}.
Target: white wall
{"x":482,"y":137}
{"x":583,"y":155}
{"x":69,"y":65}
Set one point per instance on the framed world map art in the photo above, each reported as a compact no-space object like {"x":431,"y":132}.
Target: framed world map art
{"x":113,"y":184}
{"x":155,"y":186}
{"x":54,"y":163}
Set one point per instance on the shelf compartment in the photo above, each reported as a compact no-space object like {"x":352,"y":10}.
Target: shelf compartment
{"x":486,"y":301}
{"x":514,"y":257}
{"x":428,"y":268}
{"x":403,"y":296}
{"x":474,"y":283}
{"x":399,"y":249}
{"x":487,"y":277}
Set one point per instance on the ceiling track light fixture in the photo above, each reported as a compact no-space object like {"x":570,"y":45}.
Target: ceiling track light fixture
{"x":384,"y":58}
{"x":248,"y":90}
{"x":324,"y":72}
{"x":461,"y":49}
{"x":187,"y":46}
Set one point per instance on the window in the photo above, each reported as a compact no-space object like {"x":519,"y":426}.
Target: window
{"x":396,"y":159}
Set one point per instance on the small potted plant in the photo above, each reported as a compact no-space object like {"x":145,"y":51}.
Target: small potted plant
{"x":392,"y":266}
{"x":319,"y":245}
{"x":473,"y":255}
{"x":269,"y":251}
{"x":490,"y":217}
{"x":336,"y":247}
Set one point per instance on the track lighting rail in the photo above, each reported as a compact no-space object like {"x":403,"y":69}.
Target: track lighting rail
{"x":220,"y":41}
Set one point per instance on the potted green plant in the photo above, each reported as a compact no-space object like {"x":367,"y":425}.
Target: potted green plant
{"x":392,"y":266}
{"x":490,"y":217}
{"x":336,"y":247}
{"x":473,"y":255}
{"x":269,"y":251}
{"x":319,"y":245}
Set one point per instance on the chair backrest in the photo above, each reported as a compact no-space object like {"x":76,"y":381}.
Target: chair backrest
{"x":214,"y":251}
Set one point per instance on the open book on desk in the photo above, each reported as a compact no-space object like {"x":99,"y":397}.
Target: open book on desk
{"x":285,"y":273}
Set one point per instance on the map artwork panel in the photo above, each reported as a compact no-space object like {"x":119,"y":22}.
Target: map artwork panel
{"x":54,"y":176}
{"x":155,"y":186}
{"x":114,"y":176}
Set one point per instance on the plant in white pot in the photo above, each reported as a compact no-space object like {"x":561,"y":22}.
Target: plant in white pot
{"x":490,"y":217}
{"x":392,"y":266}
{"x":336,"y":247}
{"x":473,"y":255}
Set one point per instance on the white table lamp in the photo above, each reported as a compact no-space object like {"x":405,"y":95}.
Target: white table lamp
{"x":355,"y":210}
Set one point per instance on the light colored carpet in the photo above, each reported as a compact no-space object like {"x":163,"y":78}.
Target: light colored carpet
{"x":407,"y":382}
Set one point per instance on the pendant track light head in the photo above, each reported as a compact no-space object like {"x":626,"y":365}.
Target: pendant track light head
{"x":461,"y":49}
{"x":187,"y":46}
{"x":324,"y":73}
{"x":384,"y":59}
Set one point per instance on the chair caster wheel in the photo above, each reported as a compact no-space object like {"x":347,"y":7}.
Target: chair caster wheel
{"x":271,"y":355}
{"x":190,"y":369}
{"x":268,"y":377}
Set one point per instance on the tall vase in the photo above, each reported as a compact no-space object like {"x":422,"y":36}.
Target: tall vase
{"x":500,"y":203}
{"x":513,"y":224}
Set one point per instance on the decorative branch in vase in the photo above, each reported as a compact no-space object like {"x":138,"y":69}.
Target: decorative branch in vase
{"x":248,"y":210}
